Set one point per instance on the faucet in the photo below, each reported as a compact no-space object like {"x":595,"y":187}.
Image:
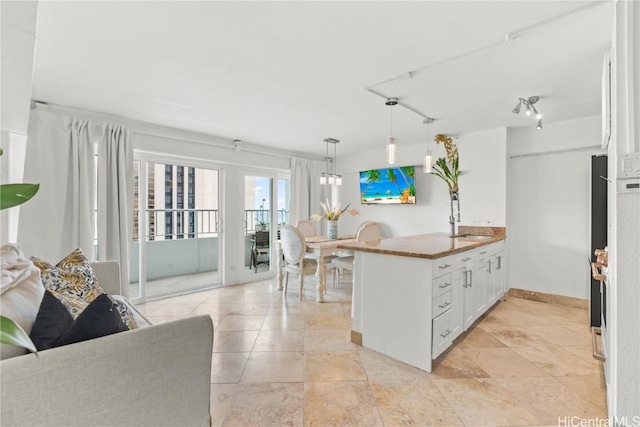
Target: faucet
{"x":452,"y":218}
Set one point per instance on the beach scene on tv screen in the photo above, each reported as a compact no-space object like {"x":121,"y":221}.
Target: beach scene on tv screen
{"x":388,"y":186}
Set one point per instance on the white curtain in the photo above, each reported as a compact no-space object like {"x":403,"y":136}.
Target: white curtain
{"x":115,"y":198}
{"x":60,"y":157}
{"x":306,"y":191}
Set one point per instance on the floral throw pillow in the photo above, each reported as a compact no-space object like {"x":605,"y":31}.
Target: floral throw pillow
{"x":72,"y":281}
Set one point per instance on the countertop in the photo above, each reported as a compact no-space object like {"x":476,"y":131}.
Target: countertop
{"x":428,"y":246}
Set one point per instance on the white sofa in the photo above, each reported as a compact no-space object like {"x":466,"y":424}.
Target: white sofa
{"x":157,"y":375}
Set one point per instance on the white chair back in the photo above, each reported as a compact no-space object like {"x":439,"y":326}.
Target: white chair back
{"x":293,"y":244}
{"x":368,"y":231}
{"x":306,"y":228}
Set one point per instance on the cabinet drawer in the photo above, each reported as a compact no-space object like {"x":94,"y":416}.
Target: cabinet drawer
{"x":441,"y":304}
{"x":441,"y":285}
{"x":442,"y":336}
{"x":442,"y":266}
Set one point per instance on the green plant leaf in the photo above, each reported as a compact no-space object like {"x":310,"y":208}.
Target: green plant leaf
{"x":16,"y":194}
{"x":12,"y":333}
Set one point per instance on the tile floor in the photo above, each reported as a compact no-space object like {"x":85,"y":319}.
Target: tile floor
{"x":281,"y":361}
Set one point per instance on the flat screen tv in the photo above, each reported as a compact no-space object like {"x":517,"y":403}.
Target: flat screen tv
{"x":388,"y":186}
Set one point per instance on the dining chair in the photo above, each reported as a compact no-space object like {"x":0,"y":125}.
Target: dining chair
{"x":367,"y":231}
{"x":306,"y":228}
{"x":260,"y":247}
{"x":294,"y":248}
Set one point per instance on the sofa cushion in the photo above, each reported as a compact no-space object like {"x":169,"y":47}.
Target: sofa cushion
{"x":21,"y":291}
{"x":55,"y":327}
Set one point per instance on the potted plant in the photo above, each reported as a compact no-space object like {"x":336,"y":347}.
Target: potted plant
{"x":13,"y":195}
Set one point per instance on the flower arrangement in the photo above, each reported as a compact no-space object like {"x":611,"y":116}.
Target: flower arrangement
{"x":333,"y":213}
{"x":447,"y":168}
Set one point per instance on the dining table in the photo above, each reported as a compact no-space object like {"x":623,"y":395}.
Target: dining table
{"x":319,"y":247}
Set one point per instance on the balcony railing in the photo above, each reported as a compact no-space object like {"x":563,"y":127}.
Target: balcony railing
{"x":170,"y":224}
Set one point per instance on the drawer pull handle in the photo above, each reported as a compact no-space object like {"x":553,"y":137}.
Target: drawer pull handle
{"x":442,"y":267}
{"x":595,"y":331}
{"x":444,"y":286}
{"x":445,"y":304}
{"x":466,"y":259}
{"x":483,"y":252}
{"x":445,"y":334}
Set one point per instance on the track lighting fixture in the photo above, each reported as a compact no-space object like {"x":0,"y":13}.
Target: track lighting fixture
{"x":530,"y":108}
{"x":391,"y":141}
{"x":329,"y":177}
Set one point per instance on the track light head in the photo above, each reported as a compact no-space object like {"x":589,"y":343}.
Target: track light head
{"x":539,"y":125}
{"x":516,"y":110}
{"x":391,"y":101}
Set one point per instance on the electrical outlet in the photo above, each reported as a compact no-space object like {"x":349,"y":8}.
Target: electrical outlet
{"x":488,"y":222}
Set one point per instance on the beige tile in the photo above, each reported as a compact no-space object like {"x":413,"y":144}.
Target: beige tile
{"x":549,"y":400}
{"x":557,"y":362}
{"x":233,"y":341}
{"x":511,"y":315}
{"x":213,"y":309}
{"x":333,"y":366}
{"x":274,"y":366}
{"x":583,"y":352}
{"x":515,"y":336}
{"x":328,"y":340}
{"x":505,"y":362}
{"x":221,"y":395}
{"x":484,"y":402}
{"x":241,"y":323}
{"x":335,"y":321}
{"x":591,"y":388}
{"x":250,"y":309}
{"x":280,"y":340}
{"x":227,"y":367}
{"x":162,"y":309}
{"x":283,"y":321}
{"x":340,"y":403}
{"x":560,"y":335}
{"x":267,"y":404}
{"x":412,"y":403}
{"x":457,"y":364}
{"x":383,"y":368}
{"x":328,"y":309}
{"x":478,"y":338}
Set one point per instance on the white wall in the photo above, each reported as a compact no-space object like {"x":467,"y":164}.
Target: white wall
{"x":548,"y":194}
{"x":623,"y":298}
{"x":482,"y":186}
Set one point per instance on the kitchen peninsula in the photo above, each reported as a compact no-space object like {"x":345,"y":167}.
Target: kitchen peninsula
{"x":414,"y":295}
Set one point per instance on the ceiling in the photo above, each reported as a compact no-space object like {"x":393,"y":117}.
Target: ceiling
{"x":289,"y":74}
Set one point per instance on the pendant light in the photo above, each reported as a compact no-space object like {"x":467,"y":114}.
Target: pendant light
{"x":328,"y":176}
{"x":391,"y":141}
{"x":427,"y":165}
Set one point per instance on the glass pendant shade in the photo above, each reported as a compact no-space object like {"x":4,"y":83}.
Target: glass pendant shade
{"x":338,"y":180}
{"x":331,"y":180}
{"x":391,"y":150}
{"x":323,"y":179}
{"x":428,"y":163}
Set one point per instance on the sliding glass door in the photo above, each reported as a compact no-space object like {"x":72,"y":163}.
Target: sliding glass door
{"x":265,"y":208}
{"x":176,"y":228}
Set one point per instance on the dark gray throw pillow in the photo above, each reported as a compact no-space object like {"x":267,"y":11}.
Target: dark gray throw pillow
{"x":55,"y":327}
{"x":52,"y":320}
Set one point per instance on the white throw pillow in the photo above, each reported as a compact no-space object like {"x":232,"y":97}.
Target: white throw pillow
{"x":21,"y":292}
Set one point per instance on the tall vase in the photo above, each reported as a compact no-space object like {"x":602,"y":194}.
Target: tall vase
{"x":332,"y":229}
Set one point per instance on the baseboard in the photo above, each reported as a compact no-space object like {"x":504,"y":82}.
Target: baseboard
{"x":548,"y":298}
{"x":356,"y":337}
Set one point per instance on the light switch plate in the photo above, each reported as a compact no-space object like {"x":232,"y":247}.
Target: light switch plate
{"x":629,"y":166}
